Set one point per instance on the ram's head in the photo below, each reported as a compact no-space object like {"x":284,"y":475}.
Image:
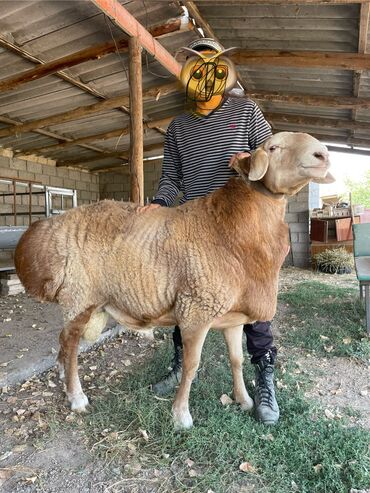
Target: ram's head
{"x":286,"y":162}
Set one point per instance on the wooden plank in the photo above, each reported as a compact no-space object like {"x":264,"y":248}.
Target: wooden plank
{"x":316,"y":121}
{"x":91,"y":53}
{"x":93,"y":138}
{"x":75,"y":82}
{"x":340,"y":102}
{"x":303,"y":59}
{"x":123,"y":19}
{"x":124,"y":155}
{"x":136,"y":122}
{"x":75,"y":114}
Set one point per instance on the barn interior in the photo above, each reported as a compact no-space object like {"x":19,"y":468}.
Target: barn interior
{"x":77,"y":77}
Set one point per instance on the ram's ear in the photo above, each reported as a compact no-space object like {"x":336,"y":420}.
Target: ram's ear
{"x":329,"y":178}
{"x":259,"y":163}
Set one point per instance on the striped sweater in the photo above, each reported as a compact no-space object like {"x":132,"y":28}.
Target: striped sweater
{"x":197,"y":149}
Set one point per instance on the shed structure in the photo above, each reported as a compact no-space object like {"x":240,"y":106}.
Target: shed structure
{"x":69,"y":116}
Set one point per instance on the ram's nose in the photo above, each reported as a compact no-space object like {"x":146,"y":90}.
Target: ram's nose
{"x":322,"y":156}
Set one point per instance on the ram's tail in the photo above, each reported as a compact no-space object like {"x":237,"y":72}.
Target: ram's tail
{"x":39,"y":265}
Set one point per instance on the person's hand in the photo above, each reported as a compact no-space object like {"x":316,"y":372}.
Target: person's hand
{"x":238,"y":157}
{"x":146,"y":208}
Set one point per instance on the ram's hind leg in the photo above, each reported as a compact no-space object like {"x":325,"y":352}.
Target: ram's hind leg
{"x":69,"y":341}
{"x":234,"y":340}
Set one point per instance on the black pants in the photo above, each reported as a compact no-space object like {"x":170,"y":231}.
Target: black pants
{"x":259,"y":340}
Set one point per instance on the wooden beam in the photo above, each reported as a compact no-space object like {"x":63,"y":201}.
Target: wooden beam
{"x":136,"y":122}
{"x":91,"y":53}
{"x":75,"y":114}
{"x":340,"y":102}
{"x":125,"y":155}
{"x":316,"y":121}
{"x":123,"y":167}
{"x":9,"y":44}
{"x":303,"y":59}
{"x":200,"y":21}
{"x":346,"y":150}
{"x":335,"y":139}
{"x":123,"y":19}
{"x":119,"y":132}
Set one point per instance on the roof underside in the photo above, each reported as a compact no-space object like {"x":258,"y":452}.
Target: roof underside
{"x":34,"y":32}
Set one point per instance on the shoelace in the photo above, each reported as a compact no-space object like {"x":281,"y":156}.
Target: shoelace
{"x":264,"y":387}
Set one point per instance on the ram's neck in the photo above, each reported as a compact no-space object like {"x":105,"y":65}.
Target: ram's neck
{"x":240,"y":203}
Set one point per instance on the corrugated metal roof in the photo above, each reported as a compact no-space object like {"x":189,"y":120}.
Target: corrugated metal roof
{"x":49,"y":30}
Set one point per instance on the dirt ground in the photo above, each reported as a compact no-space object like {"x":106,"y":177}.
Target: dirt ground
{"x":64,"y":462}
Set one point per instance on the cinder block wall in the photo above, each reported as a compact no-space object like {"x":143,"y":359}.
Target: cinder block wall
{"x":117,"y":185}
{"x":297,"y":217}
{"x":86,"y":184}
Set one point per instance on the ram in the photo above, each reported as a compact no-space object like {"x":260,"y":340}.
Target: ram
{"x":210,"y":263}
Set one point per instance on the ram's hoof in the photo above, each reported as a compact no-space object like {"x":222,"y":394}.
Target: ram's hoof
{"x":79,"y":403}
{"x":182,"y":420}
{"x":247,"y":405}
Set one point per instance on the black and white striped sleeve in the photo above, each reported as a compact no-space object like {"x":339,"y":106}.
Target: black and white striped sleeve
{"x":171,"y":179}
{"x":259,"y":129}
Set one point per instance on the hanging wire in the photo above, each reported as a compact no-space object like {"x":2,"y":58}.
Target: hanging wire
{"x":115,"y":44}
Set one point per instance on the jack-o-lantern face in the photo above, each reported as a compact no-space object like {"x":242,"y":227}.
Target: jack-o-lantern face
{"x":206,"y":75}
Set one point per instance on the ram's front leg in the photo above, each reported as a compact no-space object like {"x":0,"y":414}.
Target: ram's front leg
{"x":69,"y":341}
{"x":234,"y":340}
{"x":192,"y":340}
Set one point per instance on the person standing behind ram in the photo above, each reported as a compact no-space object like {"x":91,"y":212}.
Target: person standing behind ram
{"x":198,"y":148}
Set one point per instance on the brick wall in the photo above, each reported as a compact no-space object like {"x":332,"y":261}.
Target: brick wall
{"x":86,"y":184}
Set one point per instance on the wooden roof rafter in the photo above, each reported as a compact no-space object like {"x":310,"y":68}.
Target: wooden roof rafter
{"x":53,"y":68}
{"x":119,"y":132}
{"x":117,"y":154}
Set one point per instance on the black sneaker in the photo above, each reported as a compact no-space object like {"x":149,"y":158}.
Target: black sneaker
{"x":267,"y":409}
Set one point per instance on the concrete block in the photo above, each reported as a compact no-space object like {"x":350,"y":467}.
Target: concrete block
{"x":298,"y":227}
{"x":68,"y":183}
{"x":62,"y":172}
{"x":6,"y":172}
{"x":50,"y":170}
{"x":294,"y":238}
{"x":56,"y":181}
{"x":291,"y":217}
{"x":26,"y":175}
{"x":304,"y":217}
{"x":297,"y":207}
{"x":34,"y":167}
{"x":4,"y":162}
{"x":44,"y":179}
{"x":74,"y":175}
{"x":18,"y":164}
{"x":301,"y":248}
{"x":304,"y":238}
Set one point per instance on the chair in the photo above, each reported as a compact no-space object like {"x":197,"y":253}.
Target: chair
{"x":361,"y":251}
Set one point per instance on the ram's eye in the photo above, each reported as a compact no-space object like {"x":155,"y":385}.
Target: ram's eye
{"x":197,"y":74}
{"x":220,"y":73}
{"x":272,"y":148}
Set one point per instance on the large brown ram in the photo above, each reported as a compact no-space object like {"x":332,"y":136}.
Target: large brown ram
{"x":213,"y":262}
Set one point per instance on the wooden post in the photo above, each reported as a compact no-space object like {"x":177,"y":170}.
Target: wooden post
{"x":136,"y":122}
